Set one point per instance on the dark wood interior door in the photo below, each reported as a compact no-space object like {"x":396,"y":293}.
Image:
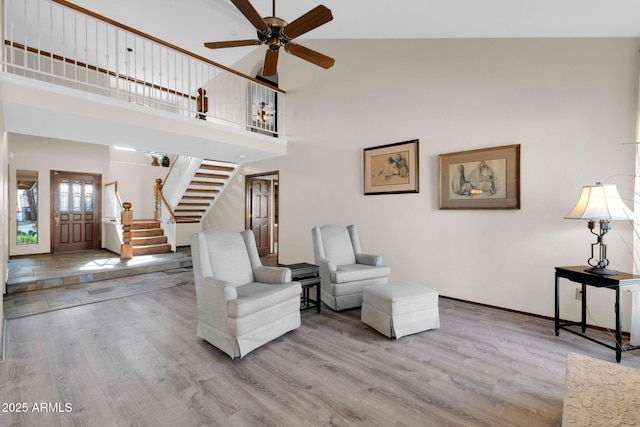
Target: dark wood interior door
{"x":261,"y":214}
{"x":76,"y":211}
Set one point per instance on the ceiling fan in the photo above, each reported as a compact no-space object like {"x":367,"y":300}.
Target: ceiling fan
{"x":276,"y":33}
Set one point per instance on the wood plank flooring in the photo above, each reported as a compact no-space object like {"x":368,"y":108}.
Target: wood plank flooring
{"x":135,"y":361}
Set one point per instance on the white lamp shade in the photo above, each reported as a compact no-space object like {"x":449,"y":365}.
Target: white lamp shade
{"x":600,"y":202}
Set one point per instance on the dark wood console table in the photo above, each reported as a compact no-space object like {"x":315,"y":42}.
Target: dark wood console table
{"x":579,"y":275}
{"x":309,"y":276}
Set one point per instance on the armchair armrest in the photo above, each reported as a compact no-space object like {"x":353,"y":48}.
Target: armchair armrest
{"x":330,"y":266}
{"x":369,"y":259}
{"x":215,"y":286}
{"x":272,"y":275}
{"x":326,"y":267}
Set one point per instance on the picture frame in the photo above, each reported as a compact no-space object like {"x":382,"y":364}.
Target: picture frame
{"x":392,"y":168}
{"x":487,"y":178}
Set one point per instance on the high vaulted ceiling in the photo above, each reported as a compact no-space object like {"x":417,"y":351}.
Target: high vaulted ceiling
{"x":190,"y":23}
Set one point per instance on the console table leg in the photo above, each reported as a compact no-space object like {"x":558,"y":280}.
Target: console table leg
{"x":557,"y":319}
{"x":618,"y":331}
{"x":584,"y":308}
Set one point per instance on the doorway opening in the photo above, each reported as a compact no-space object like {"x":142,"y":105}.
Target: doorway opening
{"x":76,"y":213}
{"x":262,"y":193}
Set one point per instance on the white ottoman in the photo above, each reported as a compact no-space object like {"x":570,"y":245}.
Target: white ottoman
{"x":399,"y":309}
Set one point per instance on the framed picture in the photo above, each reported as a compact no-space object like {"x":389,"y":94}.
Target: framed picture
{"x":488,"y":178}
{"x":392,"y":168}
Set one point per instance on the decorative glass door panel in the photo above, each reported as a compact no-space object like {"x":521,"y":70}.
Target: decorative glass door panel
{"x":76,"y":216}
{"x":27,"y":212}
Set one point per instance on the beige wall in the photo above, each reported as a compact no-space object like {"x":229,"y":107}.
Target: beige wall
{"x":136,"y":180}
{"x":570,"y":103}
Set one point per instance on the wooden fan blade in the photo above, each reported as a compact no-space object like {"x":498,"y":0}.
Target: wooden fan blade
{"x":313,"y":19}
{"x":232,"y":43}
{"x":252,"y":15}
{"x":309,"y":55}
{"x":270,"y":63}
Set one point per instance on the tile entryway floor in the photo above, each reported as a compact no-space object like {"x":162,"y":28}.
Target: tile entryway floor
{"x":41,"y":283}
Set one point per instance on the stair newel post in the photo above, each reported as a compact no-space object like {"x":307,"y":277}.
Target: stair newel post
{"x":126,"y":251}
{"x":156,"y":192}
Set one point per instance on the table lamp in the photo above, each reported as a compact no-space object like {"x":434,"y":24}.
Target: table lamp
{"x":600,"y":203}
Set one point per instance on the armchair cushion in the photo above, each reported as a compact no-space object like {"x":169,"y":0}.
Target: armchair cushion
{"x":256,"y":296}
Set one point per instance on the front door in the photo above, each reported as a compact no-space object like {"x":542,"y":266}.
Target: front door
{"x":261,"y":214}
{"x":76,"y":211}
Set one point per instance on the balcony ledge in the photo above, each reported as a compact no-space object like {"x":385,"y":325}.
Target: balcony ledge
{"x":34,"y":107}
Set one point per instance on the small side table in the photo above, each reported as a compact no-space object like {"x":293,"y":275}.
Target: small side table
{"x":309,"y":276}
{"x":579,"y":274}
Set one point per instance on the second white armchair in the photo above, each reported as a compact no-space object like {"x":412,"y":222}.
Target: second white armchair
{"x":344,"y":269}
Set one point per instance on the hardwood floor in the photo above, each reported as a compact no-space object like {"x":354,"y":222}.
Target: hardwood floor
{"x":135,"y":361}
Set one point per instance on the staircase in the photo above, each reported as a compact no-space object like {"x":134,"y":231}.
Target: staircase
{"x":147,"y":238}
{"x":202,"y":191}
{"x":190,"y":190}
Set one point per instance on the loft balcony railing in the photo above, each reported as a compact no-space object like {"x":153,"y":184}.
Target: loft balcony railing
{"x":73,"y":47}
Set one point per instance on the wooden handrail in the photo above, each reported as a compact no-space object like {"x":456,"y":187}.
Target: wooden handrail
{"x":173,"y":216}
{"x":162,"y":42}
{"x":115,"y":184}
{"x":157,"y":190}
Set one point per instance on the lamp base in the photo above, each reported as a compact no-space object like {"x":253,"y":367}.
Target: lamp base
{"x":602,"y":271}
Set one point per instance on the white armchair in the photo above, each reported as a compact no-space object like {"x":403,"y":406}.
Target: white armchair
{"x":344,"y":269}
{"x":241,"y":303}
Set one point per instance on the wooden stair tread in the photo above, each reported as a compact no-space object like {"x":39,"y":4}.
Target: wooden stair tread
{"x":198,"y":197}
{"x":210,"y":175}
{"x":208,"y":183}
{"x":148,"y":240}
{"x":217,"y":168}
{"x":202,"y":190}
{"x":154,"y":245}
{"x":147,"y":232}
{"x":144,"y":226}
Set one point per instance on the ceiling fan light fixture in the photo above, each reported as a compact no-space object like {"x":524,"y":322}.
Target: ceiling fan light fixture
{"x":275,"y":23}
{"x":276,"y":33}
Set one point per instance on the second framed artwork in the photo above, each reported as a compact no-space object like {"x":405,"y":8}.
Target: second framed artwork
{"x":392,"y":168}
{"x":488,"y":178}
